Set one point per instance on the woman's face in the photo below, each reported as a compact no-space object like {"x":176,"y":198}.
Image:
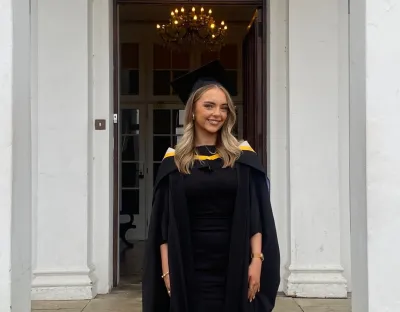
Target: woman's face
{"x":211,"y":110}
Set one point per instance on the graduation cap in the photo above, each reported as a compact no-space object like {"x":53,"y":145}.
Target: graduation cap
{"x":211,"y":73}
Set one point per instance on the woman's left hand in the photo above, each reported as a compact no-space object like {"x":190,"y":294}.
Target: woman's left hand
{"x":254,"y":278}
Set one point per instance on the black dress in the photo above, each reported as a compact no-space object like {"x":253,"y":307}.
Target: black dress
{"x":207,"y":218}
{"x":210,"y":192}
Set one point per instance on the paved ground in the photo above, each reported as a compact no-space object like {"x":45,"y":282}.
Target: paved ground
{"x":128,"y":299}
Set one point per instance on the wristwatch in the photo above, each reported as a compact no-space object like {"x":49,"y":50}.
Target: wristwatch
{"x":258,"y":255}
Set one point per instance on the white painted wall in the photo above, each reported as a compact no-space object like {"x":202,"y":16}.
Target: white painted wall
{"x":63,"y":224}
{"x":311,"y":147}
{"x":278,"y":141}
{"x":6,"y":153}
{"x":375,"y":94}
{"x":15,"y":153}
{"x":102,"y":171}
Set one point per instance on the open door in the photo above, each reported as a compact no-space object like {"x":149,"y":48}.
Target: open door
{"x":254,"y":86}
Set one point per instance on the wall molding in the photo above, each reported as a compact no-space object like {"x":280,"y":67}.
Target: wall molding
{"x":316,"y":281}
{"x":64,"y":285}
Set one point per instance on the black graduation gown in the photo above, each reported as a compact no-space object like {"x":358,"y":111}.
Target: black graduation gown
{"x":252,"y":199}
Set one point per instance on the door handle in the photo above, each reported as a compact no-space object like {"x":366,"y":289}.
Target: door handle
{"x":141,"y":170}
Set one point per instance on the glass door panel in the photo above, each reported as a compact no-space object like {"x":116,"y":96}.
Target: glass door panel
{"x":133,"y":184}
{"x":167,"y":129}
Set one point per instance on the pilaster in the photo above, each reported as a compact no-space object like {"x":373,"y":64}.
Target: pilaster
{"x":315,"y":268}
{"x":15,"y":156}
{"x":63,"y":267}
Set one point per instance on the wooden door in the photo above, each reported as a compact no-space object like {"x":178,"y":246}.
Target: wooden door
{"x":254,"y":87}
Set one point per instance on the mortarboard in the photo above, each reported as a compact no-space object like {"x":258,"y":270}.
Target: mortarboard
{"x":211,"y":73}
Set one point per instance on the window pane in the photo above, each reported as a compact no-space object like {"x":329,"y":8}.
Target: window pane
{"x":209,"y":56}
{"x":177,"y":121}
{"x":160,"y":146}
{"x":161,"y":121}
{"x":161,"y":82}
{"x":130,"y":147}
{"x":130,"y":121}
{"x":161,"y":57}
{"x":129,"y":80}
{"x":176,"y":74}
{"x":180,"y":60}
{"x":129,"y":55}
{"x":130,"y":175}
{"x":175,"y":139}
{"x":130,"y":201}
{"x":232,"y":81}
{"x":229,"y":56}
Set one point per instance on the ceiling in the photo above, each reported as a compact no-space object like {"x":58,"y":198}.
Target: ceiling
{"x":159,"y":13}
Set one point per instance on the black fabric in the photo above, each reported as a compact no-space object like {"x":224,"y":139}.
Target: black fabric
{"x":172,"y":221}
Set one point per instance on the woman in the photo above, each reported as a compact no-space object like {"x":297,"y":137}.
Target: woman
{"x":212,"y":222}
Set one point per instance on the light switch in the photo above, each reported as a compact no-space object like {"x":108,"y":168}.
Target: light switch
{"x":100,"y":124}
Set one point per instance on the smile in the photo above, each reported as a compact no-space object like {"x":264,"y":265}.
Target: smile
{"x":214,"y":122}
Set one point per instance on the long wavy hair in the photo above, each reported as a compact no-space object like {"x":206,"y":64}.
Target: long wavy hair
{"x":227,"y":145}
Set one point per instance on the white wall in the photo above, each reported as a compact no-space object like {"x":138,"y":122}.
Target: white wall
{"x":375,"y":114}
{"x":308,"y":164}
{"x":15,"y":153}
{"x":278,"y":141}
{"x":102,"y":170}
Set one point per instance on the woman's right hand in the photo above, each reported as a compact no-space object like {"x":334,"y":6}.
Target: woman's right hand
{"x":167,"y":284}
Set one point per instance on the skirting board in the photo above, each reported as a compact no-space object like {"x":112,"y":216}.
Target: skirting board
{"x":63,"y":285}
{"x":327,"y":282}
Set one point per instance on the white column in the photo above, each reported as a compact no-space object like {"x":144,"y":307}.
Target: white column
{"x":15,"y":153}
{"x":315,"y":268}
{"x":375,"y":150}
{"x":63,"y":266}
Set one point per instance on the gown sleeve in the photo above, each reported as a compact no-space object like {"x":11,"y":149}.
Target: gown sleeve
{"x":255,"y":216}
{"x":163,"y":200}
{"x":270,"y":274}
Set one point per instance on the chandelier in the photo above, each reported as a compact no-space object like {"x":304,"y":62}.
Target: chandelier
{"x":192,"y":29}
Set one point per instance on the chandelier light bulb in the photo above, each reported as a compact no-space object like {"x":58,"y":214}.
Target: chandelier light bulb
{"x":188,"y":29}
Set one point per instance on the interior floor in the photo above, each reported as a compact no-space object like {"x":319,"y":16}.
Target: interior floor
{"x":131,"y":264}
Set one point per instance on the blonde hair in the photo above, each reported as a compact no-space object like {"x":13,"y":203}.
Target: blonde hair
{"x":227,"y":145}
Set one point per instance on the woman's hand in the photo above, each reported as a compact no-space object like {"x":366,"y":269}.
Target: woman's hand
{"x":254,"y":278}
{"x":167,"y":284}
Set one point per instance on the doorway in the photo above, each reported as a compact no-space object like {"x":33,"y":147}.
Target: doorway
{"x":149,"y":116}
